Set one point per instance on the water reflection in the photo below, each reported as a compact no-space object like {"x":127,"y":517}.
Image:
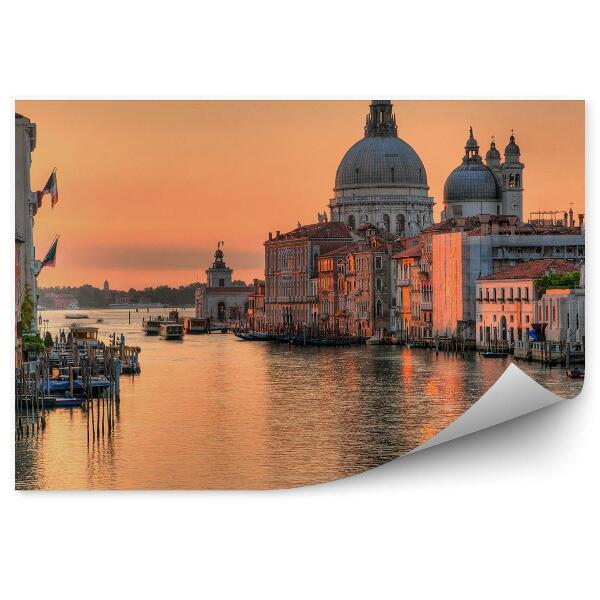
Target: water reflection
{"x":214,"y":412}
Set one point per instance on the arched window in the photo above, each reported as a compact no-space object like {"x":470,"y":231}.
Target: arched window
{"x":400,"y":224}
{"x":386,"y":222}
{"x":378,"y":284}
{"x":379,"y":309}
{"x":517,"y":180}
{"x":351,"y":222}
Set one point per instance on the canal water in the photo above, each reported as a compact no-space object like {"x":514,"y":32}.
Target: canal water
{"x":214,"y":412}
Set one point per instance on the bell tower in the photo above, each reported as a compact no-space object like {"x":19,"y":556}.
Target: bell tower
{"x":512,"y":180}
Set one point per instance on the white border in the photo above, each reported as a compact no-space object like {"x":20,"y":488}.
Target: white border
{"x":511,"y":512}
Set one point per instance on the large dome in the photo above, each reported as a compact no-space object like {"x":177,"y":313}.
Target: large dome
{"x":471,"y":181}
{"x":381,"y":158}
{"x":380,"y":161}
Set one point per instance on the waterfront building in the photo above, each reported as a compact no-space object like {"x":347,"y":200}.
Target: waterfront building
{"x":256,"y":306}
{"x":355,"y":284}
{"x":220,"y":300}
{"x":381,"y":180}
{"x":291,"y":264}
{"x":508,"y":305}
{"x":494,"y":188}
{"x":26,"y":206}
{"x":464,"y":249}
{"x":413,"y":293}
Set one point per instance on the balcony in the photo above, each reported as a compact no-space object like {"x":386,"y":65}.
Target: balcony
{"x":426,"y":306}
{"x":403,"y":282}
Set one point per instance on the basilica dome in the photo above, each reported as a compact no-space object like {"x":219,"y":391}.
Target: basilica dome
{"x":471,"y":181}
{"x":381,"y":158}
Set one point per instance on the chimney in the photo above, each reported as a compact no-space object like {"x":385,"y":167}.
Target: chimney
{"x":485,"y":224}
{"x":277,"y":234}
{"x":270,"y":236}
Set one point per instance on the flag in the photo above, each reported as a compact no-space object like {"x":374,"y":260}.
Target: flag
{"x":50,"y":259}
{"x":51,"y":188}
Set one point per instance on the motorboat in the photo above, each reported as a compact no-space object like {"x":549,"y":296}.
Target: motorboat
{"x":171,"y":331}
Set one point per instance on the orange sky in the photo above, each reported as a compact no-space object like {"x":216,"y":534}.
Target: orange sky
{"x":147,"y":188}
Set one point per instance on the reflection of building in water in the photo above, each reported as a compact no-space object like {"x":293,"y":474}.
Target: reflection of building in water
{"x":220,"y":300}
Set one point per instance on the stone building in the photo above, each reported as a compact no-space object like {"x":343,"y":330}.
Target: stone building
{"x":355,"y":284}
{"x":381,"y":180}
{"x":26,"y":206}
{"x":255,"y":316}
{"x":291,"y":264}
{"x":507,"y":304}
{"x":220,"y":300}
{"x":494,"y":188}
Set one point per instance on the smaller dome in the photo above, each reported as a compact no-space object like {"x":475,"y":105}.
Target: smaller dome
{"x":471,"y":180}
{"x":471,"y":142}
{"x":512,"y":149}
{"x":492,"y":153}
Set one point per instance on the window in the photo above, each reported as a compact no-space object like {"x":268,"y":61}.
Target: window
{"x":386,"y":222}
{"x":351,"y":222}
{"x":379,"y":308}
{"x":378,"y":284}
{"x":494,"y":294}
{"x":221,"y":283}
{"x":457,"y":210}
{"x":378,"y":262}
{"x":400,"y":224}
{"x":502,"y":294}
{"x":512,"y":318}
{"x":494,"y":318}
{"x":481,"y":294}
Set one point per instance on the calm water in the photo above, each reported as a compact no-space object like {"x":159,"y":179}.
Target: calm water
{"x":215,"y":412}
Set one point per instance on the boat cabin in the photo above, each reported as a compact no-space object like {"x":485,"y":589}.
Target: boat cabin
{"x":84,"y":335}
{"x":171,"y":331}
{"x":194,"y":325}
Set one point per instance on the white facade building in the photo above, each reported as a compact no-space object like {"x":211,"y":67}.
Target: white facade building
{"x":381,"y":180}
{"x":220,"y":300}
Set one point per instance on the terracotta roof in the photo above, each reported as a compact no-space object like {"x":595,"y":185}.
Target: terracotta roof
{"x":533,"y":269}
{"x":411,"y":252}
{"x":332,"y":229}
{"x":347,"y":249}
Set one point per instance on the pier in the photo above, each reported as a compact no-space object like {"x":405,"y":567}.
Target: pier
{"x":74,"y":374}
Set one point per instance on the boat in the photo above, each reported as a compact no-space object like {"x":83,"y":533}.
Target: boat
{"x":193,"y":325}
{"x":151,"y":326}
{"x":100,"y":320}
{"x":374,"y":340}
{"x":76,"y":316}
{"x":73,"y":306}
{"x":575,"y":373}
{"x":491,"y":354}
{"x":253,"y":336}
{"x":68,"y":401}
{"x":84,"y":334}
{"x":171,"y":331}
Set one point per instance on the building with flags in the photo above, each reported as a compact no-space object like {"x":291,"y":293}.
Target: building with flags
{"x":26,"y":206}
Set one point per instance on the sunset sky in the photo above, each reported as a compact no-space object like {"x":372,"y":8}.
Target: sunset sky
{"x":147,"y":188}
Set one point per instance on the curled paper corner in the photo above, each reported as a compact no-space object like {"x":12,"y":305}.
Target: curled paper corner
{"x":514,"y":394}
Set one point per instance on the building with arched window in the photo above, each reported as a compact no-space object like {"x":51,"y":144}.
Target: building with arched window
{"x":220,"y":300}
{"x":381,"y":180}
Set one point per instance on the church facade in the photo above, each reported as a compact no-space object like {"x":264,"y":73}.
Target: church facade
{"x":220,"y":300}
{"x":381,"y":180}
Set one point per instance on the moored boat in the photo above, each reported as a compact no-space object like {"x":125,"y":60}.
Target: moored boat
{"x":84,"y":334}
{"x":151,"y":326}
{"x":76,"y":316}
{"x":253,"y":336}
{"x":192,"y":325}
{"x":575,"y":373}
{"x":171,"y":331}
{"x":374,"y":340}
{"x":494,"y":354}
